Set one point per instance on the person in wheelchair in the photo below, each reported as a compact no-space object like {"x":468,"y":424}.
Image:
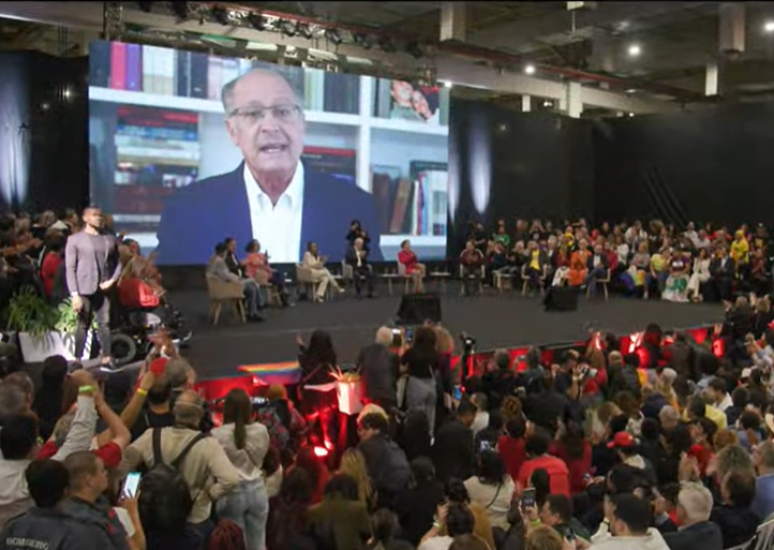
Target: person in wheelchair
{"x":143,"y":305}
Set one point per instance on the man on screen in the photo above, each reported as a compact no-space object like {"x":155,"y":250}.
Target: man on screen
{"x":271,"y":196}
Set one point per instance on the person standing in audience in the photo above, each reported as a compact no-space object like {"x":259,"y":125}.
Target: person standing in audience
{"x":538,"y":457}
{"x":340,"y":521}
{"x":320,"y":274}
{"x":492,"y":488}
{"x":357,"y":257}
{"x":246,"y":444}
{"x":288,"y":512}
{"x":218,"y":269}
{"x":378,"y":367}
{"x":408,"y":259}
{"x":423,"y":363}
{"x":416,"y":506}
{"x":388,"y":468}
{"x":46,"y":526}
{"x":206,"y":459}
{"x":453,"y":450}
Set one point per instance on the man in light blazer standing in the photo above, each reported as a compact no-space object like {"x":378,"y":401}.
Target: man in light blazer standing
{"x":92,"y":267}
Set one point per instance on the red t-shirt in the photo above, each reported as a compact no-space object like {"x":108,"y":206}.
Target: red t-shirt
{"x":577,"y":467}
{"x":513,"y":454}
{"x":48,"y":270}
{"x":557,"y":470}
{"x":110,"y":453}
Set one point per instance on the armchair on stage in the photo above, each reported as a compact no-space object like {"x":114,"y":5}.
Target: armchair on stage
{"x":221,"y":292}
{"x":604,"y":281}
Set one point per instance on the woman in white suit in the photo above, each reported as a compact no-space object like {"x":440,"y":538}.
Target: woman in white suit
{"x":701,"y":274}
{"x":320,"y":273}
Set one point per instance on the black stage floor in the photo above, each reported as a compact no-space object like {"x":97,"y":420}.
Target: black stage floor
{"x":506,"y":320}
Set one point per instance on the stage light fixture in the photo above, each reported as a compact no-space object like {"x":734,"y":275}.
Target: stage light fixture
{"x":220,"y":15}
{"x":256,"y":21}
{"x":333,"y":36}
{"x":447,"y":84}
{"x":304,"y":30}
{"x":145,"y":6}
{"x":415,"y":50}
{"x":288,"y":28}
{"x":529,"y":69}
{"x":634,"y":50}
{"x":180,"y":9}
{"x":769,"y":26}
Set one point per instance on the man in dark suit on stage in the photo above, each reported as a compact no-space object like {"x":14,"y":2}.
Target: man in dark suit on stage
{"x":271,"y":196}
{"x":357,"y":257}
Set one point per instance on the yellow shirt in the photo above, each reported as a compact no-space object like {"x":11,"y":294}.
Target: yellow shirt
{"x":658,"y":262}
{"x":740,"y":251}
{"x":534,"y":263}
{"x":714,"y":414}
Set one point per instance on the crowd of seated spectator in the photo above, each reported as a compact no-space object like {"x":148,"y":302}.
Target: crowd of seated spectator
{"x":659,"y":260}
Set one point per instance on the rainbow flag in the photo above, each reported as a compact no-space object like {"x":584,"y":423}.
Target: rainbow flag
{"x":285,"y":373}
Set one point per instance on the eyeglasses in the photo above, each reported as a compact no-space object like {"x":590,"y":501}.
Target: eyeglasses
{"x":255,"y":115}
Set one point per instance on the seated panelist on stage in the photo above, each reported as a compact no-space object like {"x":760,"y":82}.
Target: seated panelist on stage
{"x":271,"y":196}
{"x":316,"y":264}
{"x":256,"y":262}
{"x":408,"y":259}
{"x":357,"y":257}
{"x":218,"y":269}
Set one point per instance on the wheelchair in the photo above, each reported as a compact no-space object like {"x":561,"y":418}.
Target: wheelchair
{"x":130,"y":337}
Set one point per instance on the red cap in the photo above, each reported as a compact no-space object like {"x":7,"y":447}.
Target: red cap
{"x":622,"y":439}
{"x":157,"y":366}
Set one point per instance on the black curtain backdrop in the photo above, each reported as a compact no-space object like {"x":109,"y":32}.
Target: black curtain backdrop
{"x":710,"y":166}
{"x":526,"y":165}
{"x":43,"y":131}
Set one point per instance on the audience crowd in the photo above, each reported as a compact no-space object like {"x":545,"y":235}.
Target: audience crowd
{"x":667,"y":448}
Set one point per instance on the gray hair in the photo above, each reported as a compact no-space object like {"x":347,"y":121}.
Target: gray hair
{"x":176,"y":372}
{"x":697,"y":502}
{"x":227,"y":92}
{"x":384,"y":336}
{"x":668,"y":412}
{"x":189,"y":409}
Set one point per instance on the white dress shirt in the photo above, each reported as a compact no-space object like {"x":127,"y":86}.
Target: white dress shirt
{"x":277,"y":228}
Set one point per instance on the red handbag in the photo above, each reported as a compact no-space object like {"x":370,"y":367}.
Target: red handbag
{"x":137,"y":294}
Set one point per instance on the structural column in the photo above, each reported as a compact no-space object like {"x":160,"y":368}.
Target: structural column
{"x":453,"y":21}
{"x":572,"y":104}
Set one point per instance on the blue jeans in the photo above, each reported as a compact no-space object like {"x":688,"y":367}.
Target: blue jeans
{"x":247,"y":506}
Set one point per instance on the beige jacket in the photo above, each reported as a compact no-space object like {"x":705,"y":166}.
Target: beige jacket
{"x":207,"y":470}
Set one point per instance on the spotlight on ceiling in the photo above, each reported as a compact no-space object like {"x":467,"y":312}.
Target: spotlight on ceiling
{"x":304,"y":30}
{"x":288,"y":28}
{"x":631,"y":114}
{"x":769,"y":26}
{"x":548,"y":103}
{"x":333,"y":36}
{"x":219,"y":14}
{"x":256,"y":21}
{"x":363,"y":41}
{"x":145,"y":6}
{"x":387,"y":45}
{"x":447,"y":84}
{"x":415,"y":50}
{"x":634,"y":50}
{"x":180,"y":9}
{"x":529,"y":69}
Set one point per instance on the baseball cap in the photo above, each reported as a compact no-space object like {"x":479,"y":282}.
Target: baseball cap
{"x":622,"y":439}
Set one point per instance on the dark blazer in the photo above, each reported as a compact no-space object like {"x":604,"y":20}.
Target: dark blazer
{"x":603,"y":261}
{"x":351,"y":257}
{"x":453,"y":453}
{"x":723,"y":271}
{"x":81,"y":268}
{"x":204,"y":213}
{"x":232,"y":263}
{"x":705,"y":535}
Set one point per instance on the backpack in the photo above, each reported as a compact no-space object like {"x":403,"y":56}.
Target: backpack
{"x":165,"y":497}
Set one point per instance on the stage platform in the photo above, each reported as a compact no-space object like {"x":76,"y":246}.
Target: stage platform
{"x":495,"y":320}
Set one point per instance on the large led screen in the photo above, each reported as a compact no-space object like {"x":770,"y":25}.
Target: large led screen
{"x":188,"y":149}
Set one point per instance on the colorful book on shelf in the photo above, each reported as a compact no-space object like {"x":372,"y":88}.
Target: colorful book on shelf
{"x":199,"y":80}
{"x":118,"y":66}
{"x":401,"y":221}
{"x":134,"y":67}
{"x":432,"y":183}
{"x":214,"y":77}
{"x":340,"y":163}
{"x":383,"y":98}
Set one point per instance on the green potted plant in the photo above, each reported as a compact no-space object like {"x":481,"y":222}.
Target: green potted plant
{"x":34,"y":320}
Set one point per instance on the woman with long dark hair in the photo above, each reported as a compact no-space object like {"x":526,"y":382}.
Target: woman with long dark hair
{"x":575,"y":450}
{"x":288,"y":512}
{"x":246,"y":444}
{"x":424,"y":365}
{"x":492,"y":488}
